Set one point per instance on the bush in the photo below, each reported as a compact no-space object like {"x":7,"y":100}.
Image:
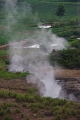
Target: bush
{"x":17,"y":110}
{"x":58,"y":117}
{"x":31,"y":90}
{"x":69,"y":58}
{"x":4,"y":94}
{"x":21,"y":98}
{"x":3,"y":65}
{"x":8,"y":110}
{"x":30,"y":98}
{"x":27,"y":118}
{"x":75,"y":44}
{"x":2,"y":112}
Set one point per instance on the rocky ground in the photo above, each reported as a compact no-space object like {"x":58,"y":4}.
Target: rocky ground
{"x":71,"y":79}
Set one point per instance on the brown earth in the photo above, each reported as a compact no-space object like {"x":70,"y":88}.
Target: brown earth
{"x":66,"y":73}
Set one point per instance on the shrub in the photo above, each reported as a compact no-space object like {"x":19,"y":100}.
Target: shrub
{"x":8,"y":110}
{"x":6,"y":105}
{"x":24,"y":105}
{"x":13,"y":94}
{"x":27,"y":118}
{"x":38,"y":98}
{"x":30,"y":98}
{"x":7,"y":117}
{"x":2,"y":113}
{"x":35,"y":109}
{"x":4,"y":94}
{"x":17,"y":110}
{"x":3,"y":53}
{"x":3,"y":65}
{"x":58,"y":117}
{"x":75,"y":44}
{"x":20,"y":98}
{"x":67,"y":105}
{"x":32,"y":90}
{"x":69,"y":58}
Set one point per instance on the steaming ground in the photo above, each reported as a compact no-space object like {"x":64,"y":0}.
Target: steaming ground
{"x":32,"y":55}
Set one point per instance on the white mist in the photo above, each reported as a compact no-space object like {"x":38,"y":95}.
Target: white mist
{"x":23,"y":57}
{"x":35,"y":60}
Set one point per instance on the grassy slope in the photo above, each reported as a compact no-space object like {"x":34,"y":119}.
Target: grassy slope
{"x":46,"y":13}
{"x":46,"y":10}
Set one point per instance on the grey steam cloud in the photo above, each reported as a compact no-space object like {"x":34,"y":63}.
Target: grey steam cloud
{"x":32,"y":51}
{"x":32,"y":55}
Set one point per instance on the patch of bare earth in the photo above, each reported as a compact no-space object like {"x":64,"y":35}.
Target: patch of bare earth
{"x":72,"y":80}
{"x":66,"y":73}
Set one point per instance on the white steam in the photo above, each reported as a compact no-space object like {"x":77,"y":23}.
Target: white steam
{"x":31,"y":54}
{"x":35,"y":60}
{"x":11,"y":13}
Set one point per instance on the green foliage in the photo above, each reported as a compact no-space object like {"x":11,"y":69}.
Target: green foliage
{"x":3,"y":94}
{"x":35,"y":109}
{"x":27,"y":118}
{"x":75,"y":43}
{"x":12,"y":94}
{"x":60,"y":11}
{"x":24,"y":105}
{"x":8,"y":75}
{"x":3,"y":53}
{"x":6,"y":105}
{"x":3,"y":65}
{"x":30,"y":98}
{"x":7,"y":117}
{"x":8,"y":110}
{"x":32,"y":90}
{"x":20,"y":97}
{"x":2,"y":113}
{"x":58,"y":117}
{"x":69,"y":58}
{"x":17,"y":110}
{"x":61,"y":108}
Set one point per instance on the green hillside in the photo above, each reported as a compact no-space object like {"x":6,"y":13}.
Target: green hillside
{"x":45,"y":10}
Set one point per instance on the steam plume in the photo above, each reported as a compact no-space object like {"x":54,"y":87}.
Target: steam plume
{"x":35,"y":60}
{"x":25,"y":57}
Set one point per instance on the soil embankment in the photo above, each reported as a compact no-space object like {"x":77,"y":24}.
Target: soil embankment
{"x":71,"y":79}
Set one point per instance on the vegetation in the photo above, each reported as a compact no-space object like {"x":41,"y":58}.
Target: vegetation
{"x":60,"y":109}
{"x":44,"y":11}
{"x":60,"y":11}
{"x":69,"y":58}
{"x":23,"y":101}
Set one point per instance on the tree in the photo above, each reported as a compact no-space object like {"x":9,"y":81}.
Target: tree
{"x":60,"y":11}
